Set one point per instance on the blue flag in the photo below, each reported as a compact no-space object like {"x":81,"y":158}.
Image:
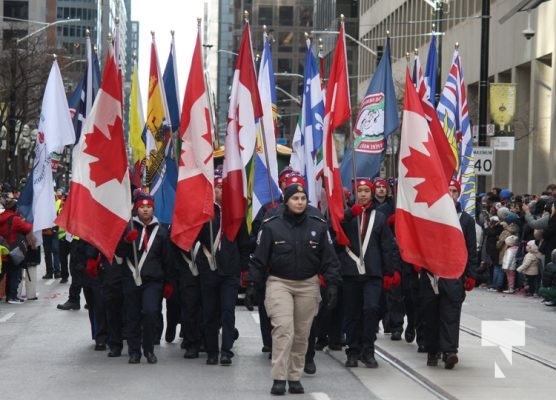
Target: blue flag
{"x":265,"y":178}
{"x":377,"y":119}
{"x":308,"y":135}
{"x":163,"y":187}
{"x":430,"y":70}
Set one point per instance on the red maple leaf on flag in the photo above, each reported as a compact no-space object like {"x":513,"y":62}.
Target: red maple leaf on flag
{"x":430,"y":190}
{"x":106,"y":167}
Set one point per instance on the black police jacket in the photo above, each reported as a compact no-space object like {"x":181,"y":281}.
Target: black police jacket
{"x":295,"y":248}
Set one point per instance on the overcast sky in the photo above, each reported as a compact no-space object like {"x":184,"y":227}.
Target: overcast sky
{"x":163,"y":16}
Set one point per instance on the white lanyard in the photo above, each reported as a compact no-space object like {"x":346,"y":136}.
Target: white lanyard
{"x":359,"y":260}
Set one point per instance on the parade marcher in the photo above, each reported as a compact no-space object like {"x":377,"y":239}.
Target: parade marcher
{"x":548,"y":289}
{"x":392,"y":303}
{"x":148,"y":273}
{"x":295,"y":247}
{"x":442,"y":298}
{"x":77,"y":265}
{"x":220,"y":262}
{"x":189,"y":292}
{"x":369,"y":267}
{"x":12,"y":225}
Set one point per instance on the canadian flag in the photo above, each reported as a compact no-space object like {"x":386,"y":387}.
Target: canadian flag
{"x":427,"y":225}
{"x":99,"y":203}
{"x":244,"y":111}
{"x":194,"y":192}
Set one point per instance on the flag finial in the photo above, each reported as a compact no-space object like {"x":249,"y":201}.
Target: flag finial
{"x":87,"y":33}
{"x":456,"y":46}
{"x":152,"y":34}
{"x":342,"y":18}
{"x":388,"y":33}
{"x":117,"y":20}
{"x":433,"y":27}
{"x":246,"y":15}
{"x":416,"y":51}
{"x":198,"y":21}
{"x":109,"y":36}
{"x":407,"y":54}
{"x":172,"y":33}
{"x":54,"y":56}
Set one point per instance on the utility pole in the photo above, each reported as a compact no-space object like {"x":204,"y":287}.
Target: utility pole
{"x":483,"y":85}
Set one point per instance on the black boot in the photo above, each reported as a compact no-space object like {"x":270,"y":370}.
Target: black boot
{"x":68,"y":305}
{"x":310,"y":367}
{"x":352,"y":361}
{"x":278,"y":388}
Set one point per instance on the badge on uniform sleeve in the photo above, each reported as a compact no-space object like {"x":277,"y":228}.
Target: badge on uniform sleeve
{"x":259,"y":237}
{"x":329,"y":238}
{"x":313,"y":233}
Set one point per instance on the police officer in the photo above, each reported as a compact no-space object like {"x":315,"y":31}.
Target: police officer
{"x":366,"y":272}
{"x":442,"y":298}
{"x":147,"y":276}
{"x":295,"y":246}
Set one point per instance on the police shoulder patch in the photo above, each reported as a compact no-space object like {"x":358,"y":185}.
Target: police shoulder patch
{"x":318,"y":218}
{"x":269,"y":219}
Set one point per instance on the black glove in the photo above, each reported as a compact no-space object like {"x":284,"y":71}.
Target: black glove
{"x":250,"y":296}
{"x":332,"y":298}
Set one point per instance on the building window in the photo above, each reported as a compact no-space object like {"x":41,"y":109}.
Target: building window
{"x":265,"y":15}
{"x":306,"y":16}
{"x":286,"y":15}
{"x":284,"y":65}
{"x":16,"y":9}
{"x":285,"y":40}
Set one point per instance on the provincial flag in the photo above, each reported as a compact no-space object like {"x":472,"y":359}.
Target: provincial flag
{"x":265,"y":162}
{"x":307,"y":140}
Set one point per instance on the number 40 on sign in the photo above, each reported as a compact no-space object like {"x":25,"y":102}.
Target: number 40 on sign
{"x":484,"y":160}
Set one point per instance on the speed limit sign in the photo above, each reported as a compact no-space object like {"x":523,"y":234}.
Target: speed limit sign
{"x":484,"y":160}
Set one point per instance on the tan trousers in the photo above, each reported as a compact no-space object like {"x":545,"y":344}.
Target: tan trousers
{"x":291,"y":306}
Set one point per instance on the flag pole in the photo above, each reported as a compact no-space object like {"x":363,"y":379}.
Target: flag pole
{"x":263,"y":135}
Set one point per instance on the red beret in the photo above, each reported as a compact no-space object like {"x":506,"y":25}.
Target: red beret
{"x":455,"y":184}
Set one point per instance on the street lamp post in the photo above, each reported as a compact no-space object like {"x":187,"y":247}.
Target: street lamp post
{"x":11,"y":141}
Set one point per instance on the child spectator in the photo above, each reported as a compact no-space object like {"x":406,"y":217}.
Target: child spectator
{"x":530,"y":267}
{"x":548,"y":289}
{"x":508,"y":262}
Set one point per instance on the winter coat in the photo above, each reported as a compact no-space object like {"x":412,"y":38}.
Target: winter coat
{"x":530,"y":265}
{"x":511,"y":229}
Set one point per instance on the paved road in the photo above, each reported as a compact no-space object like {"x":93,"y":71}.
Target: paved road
{"x":46,"y":353}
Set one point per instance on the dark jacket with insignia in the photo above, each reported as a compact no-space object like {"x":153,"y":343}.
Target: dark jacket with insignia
{"x":295,"y":247}
{"x":381,"y":257}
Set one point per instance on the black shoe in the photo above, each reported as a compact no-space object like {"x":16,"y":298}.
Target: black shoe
{"x":47,"y":276}
{"x":170,"y":333}
{"x":151,"y":358}
{"x":57,"y":275}
{"x":432,"y":360}
{"x":396,"y":335}
{"x":32,"y":298}
{"x":191,"y":353}
{"x":351,"y":361}
{"x":320,"y":345}
{"x":100,"y":347}
{"x":335,"y":347}
{"x":115,"y":352}
{"x":369,"y":361}
{"x":225,"y":360}
{"x":450,"y":360}
{"x":266,"y":349}
{"x":64,"y":280}
{"x":421,"y":349}
{"x":212,"y":360}
{"x":409,"y":334}
{"x":68,"y":305}
{"x":295,"y":387}
{"x":236,"y":334}
{"x":310,"y":367}
{"x":134,"y":358}
{"x":278,"y":388}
